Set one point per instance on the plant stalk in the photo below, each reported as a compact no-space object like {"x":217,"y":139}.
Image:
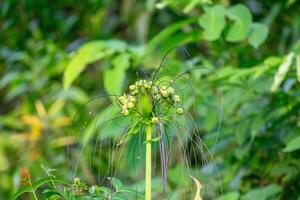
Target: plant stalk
{"x":148,"y":163}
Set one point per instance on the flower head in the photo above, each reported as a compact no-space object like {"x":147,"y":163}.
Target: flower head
{"x":145,"y":97}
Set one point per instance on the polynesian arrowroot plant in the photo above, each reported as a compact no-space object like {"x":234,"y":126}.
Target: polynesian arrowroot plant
{"x":148,"y":118}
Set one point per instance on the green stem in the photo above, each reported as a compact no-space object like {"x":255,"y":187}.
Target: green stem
{"x":148,"y":163}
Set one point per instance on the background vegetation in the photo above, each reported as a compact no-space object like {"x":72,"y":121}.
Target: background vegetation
{"x":54,"y":56}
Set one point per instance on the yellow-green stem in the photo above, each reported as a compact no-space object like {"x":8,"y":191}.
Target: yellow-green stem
{"x":148,"y":163}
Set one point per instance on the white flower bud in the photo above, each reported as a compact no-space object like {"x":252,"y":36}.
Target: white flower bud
{"x":147,"y":86}
{"x":176,"y":98}
{"x":123,"y":99}
{"x":164,"y":93}
{"x":132,"y":99}
{"x":170,"y":90}
{"x":130,"y":105}
{"x":132,"y":87}
{"x":154,"y":89}
{"x":163,"y":87}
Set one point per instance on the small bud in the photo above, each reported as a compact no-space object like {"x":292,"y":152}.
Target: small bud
{"x":179,"y":111}
{"x":125,"y":112}
{"x":157,"y":97}
{"x":123,"y":99}
{"x":76,"y":180}
{"x":163,"y":87}
{"x":132,"y":99}
{"x":132,"y":87}
{"x":130,"y":105}
{"x":154,"y":120}
{"x":139,"y":83}
{"x":176,"y":98}
{"x":134,"y":92}
{"x":170,"y":90}
{"x":164,"y":93}
{"x":154,"y":90}
{"x":147,"y":86}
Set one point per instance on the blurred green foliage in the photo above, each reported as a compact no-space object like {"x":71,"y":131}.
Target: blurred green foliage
{"x":54,"y":56}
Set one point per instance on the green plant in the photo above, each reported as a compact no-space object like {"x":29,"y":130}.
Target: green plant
{"x":257,"y":153}
{"x":152,"y":104}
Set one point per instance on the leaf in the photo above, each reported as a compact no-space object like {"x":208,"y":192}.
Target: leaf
{"x":282,"y":72}
{"x":258,"y":34}
{"x":213,"y":22}
{"x":298,"y":67}
{"x":8,"y":78}
{"x":114,"y":78}
{"x":86,"y":54}
{"x":242,"y":18}
{"x":50,"y":193}
{"x":43,"y":181}
{"x":230,"y":196}
{"x":116,"y":183}
{"x":21,"y":191}
{"x":36,"y":185}
{"x":166,"y":33}
{"x":180,"y":39}
{"x":155,"y":139}
{"x":134,"y":129}
{"x":293,"y":145}
{"x":199,"y":187}
{"x":263,"y":193}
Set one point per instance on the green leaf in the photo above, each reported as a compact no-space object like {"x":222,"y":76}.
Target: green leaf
{"x":242,"y":18}
{"x":21,"y":191}
{"x":298,"y":67}
{"x":181,"y":39}
{"x":293,"y":145}
{"x":88,"y":53}
{"x":258,"y":34}
{"x":116,"y":183}
{"x":230,"y":196}
{"x":102,"y":120}
{"x":134,"y":129}
{"x":262,"y":193}
{"x":38,"y":184}
{"x":43,"y":181}
{"x":114,"y":78}
{"x":213,"y":22}
{"x":166,"y":33}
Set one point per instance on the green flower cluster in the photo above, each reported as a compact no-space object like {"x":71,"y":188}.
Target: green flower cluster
{"x":155,"y":93}
{"x":79,"y":187}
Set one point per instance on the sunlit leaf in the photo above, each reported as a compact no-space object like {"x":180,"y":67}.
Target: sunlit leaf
{"x":293,"y":145}
{"x":213,"y":22}
{"x":86,"y":54}
{"x":114,"y":78}
{"x":242,"y":18}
